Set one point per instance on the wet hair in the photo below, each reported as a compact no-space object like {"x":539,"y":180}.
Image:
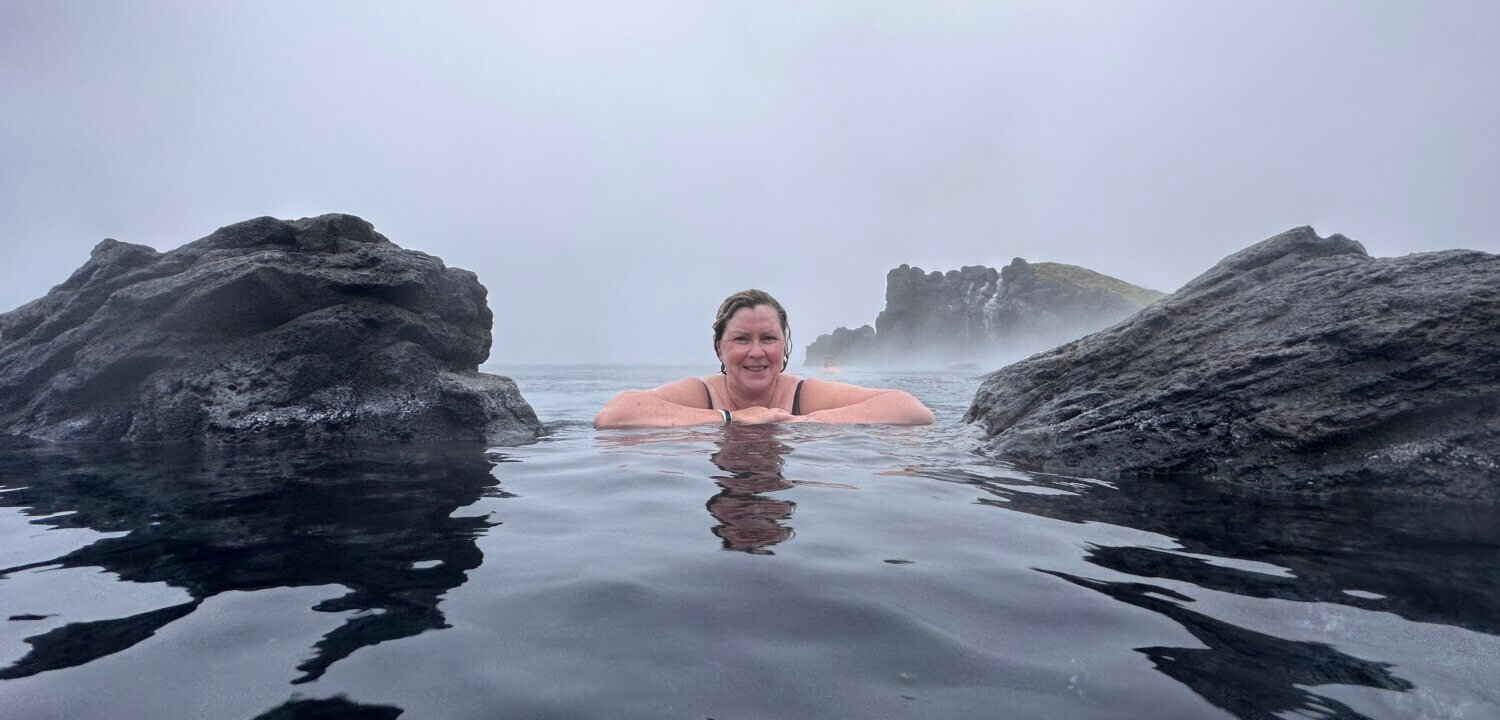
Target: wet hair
{"x":750,"y":299}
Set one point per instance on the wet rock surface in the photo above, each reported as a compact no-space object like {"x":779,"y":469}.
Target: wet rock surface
{"x":319,"y":328}
{"x":1299,"y":363}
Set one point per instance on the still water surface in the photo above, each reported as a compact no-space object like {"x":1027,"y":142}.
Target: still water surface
{"x":798,"y":571}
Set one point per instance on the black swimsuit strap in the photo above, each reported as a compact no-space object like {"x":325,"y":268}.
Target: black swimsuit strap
{"x":796,"y":397}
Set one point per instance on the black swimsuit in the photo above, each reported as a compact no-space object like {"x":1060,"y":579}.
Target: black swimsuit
{"x":796,"y":397}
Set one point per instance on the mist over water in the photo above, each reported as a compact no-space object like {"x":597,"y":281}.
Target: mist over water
{"x":612,"y":172}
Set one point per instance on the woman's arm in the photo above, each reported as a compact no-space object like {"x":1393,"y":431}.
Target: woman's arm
{"x":672,"y":405}
{"x":675,"y":404}
{"x":836,"y":402}
{"x":642,"y":409}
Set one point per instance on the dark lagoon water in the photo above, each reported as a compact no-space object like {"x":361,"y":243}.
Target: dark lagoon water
{"x":798,"y":571}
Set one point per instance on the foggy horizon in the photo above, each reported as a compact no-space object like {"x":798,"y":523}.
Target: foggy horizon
{"x":611,"y":172}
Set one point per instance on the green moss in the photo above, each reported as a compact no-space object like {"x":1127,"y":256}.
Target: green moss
{"x":1083,"y":277}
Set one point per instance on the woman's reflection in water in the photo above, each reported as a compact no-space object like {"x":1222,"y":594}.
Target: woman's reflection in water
{"x":748,"y":520}
{"x":751,"y":455}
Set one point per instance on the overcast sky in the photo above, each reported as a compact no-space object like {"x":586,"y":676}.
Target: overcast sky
{"x":611,"y":170}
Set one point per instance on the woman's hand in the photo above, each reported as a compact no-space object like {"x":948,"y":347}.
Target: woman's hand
{"x":760,"y":415}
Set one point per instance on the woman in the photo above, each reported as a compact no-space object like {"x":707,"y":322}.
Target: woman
{"x":751,"y":338}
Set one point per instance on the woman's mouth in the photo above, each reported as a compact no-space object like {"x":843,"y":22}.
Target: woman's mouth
{"x":755,"y":368}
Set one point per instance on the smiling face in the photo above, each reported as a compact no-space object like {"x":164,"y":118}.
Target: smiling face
{"x":751,"y":349}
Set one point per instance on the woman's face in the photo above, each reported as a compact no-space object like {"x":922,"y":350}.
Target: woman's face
{"x":751,"y":348}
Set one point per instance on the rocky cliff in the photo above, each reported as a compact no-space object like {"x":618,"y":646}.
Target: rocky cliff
{"x":317,"y":328}
{"x":1299,"y":363}
{"x":981,"y":314}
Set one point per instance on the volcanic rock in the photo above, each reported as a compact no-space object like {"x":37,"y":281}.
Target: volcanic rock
{"x":319,"y":328}
{"x":978,"y":313}
{"x":1299,"y":363}
{"x":843,"y":346}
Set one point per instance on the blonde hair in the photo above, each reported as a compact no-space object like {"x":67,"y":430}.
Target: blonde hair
{"x":750,"y":299}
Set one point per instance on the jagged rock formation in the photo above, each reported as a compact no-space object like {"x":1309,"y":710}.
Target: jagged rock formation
{"x":1299,"y":363}
{"x":843,"y":346}
{"x":981,"y":314}
{"x":317,"y":328}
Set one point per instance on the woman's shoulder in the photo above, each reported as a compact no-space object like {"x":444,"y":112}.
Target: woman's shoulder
{"x":821,"y":393}
{"x":816,"y":382}
{"x":688,"y":391}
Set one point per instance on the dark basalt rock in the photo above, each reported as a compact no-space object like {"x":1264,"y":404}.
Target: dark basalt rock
{"x":319,"y":328}
{"x":979,"y":313}
{"x":843,"y":346}
{"x":1299,"y":363}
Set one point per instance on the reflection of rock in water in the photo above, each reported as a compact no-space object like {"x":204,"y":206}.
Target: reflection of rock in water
{"x":1430,"y":562}
{"x":250,"y":518}
{"x":749,"y":521}
{"x":336,"y":708}
{"x":1426,"y":563}
{"x":1249,"y":674}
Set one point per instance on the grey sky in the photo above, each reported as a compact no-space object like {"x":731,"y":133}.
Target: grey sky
{"x":612,"y":170}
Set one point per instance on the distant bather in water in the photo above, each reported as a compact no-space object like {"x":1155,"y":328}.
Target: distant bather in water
{"x":751,"y":338}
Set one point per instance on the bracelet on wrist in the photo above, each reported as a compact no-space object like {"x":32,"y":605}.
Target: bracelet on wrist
{"x":727,"y":417}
